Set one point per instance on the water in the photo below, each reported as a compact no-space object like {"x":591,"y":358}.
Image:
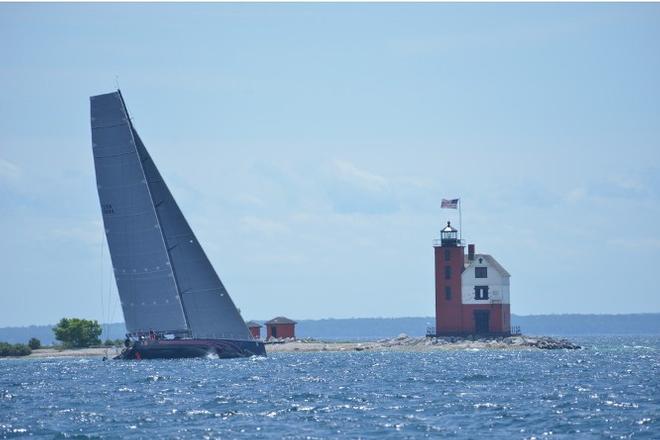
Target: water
{"x":609,"y":390}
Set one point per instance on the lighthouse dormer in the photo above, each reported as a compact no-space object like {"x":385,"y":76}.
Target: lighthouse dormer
{"x":449,"y":236}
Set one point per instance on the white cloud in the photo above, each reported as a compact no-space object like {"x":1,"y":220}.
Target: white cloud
{"x":276,"y":258}
{"x":89,"y":233}
{"x":576,"y":195}
{"x":630,"y":183}
{"x":350,"y":173}
{"x":250,"y":200}
{"x":263,"y":226}
{"x":9,"y":171}
{"x":636,"y":243}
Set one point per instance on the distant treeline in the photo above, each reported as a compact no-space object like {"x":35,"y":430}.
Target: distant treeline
{"x":376,"y":328}
{"x":547,"y":325}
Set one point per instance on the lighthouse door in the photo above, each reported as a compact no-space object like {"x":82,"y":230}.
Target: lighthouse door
{"x":481,"y":321}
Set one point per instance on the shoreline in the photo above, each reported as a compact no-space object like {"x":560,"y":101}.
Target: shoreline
{"x":401,"y":343}
{"x":53,"y":353}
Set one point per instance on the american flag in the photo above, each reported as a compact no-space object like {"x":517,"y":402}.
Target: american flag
{"x":451,"y":203}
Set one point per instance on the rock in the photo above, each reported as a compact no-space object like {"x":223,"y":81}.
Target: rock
{"x":548,"y":343}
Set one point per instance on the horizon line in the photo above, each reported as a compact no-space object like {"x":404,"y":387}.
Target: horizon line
{"x":379,"y":317}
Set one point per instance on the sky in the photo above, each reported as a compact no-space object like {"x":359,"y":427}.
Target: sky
{"x":310,"y":145}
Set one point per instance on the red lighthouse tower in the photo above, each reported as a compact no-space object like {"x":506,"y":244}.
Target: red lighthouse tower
{"x":449,"y":261}
{"x":471,"y":294}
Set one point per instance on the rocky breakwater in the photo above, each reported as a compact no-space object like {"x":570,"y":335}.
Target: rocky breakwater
{"x":404,"y":342}
{"x":453,"y":342}
{"x":542,"y":342}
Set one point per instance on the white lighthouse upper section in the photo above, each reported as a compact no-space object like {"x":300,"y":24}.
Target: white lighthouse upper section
{"x":484,"y":281}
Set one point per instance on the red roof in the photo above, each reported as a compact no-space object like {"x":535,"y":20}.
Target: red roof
{"x":281,"y":320}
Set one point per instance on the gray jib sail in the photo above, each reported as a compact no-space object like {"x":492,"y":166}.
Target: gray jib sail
{"x":202,"y":302}
{"x":211,"y":312}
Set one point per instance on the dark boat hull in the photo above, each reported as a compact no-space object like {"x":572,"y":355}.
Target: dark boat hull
{"x":193,"y":348}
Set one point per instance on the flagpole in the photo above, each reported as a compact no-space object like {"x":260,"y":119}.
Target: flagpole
{"x":460,"y":221}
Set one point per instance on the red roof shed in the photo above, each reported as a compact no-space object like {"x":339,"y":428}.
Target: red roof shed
{"x":280,"y":328}
{"x":255,"y":329}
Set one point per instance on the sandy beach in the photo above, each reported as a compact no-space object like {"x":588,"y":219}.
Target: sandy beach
{"x":75,"y":353}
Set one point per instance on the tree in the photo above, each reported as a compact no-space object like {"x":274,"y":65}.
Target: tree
{"x":34,"y":343}
{"x":77,"y":333}
{"x":14,"y":349}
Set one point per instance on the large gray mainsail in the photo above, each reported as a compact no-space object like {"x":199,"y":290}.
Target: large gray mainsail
{"x":164,"y":278}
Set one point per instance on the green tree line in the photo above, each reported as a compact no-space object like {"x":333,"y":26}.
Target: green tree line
{"x":14,"y":349}
{"x":71,"y":332}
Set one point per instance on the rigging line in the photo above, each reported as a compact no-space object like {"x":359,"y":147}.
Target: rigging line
{"x":108,"y":305}
{"x":110,"y":298}
{"x":102,"y":281}
{"x":114,"y":303}
{"x":109,"y":302}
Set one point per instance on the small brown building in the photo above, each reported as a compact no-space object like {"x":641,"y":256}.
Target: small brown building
{"x":280,"y":328}
{"x":255,"y":329}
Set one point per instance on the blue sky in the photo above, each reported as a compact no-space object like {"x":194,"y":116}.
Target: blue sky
{"x":310,"y":146}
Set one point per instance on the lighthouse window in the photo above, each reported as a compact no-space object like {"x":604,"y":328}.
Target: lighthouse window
{"x":481,"y":272}
{"x":480,"y":292}
{"x":447,"y":255}
{"x":447,"y":272}
{"x":447,"y":293}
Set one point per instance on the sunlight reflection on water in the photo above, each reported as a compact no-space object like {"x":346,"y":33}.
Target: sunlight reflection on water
{"x":608,"y":390}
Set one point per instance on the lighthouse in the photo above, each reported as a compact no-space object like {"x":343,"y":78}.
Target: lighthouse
{"x":471,"y":291}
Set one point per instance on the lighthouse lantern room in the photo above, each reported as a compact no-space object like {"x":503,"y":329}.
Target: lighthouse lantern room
{"x":471,"y":291}
{"x":449,"y":235}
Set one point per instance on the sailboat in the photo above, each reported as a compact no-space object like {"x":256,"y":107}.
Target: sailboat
{"x":174,"y":303}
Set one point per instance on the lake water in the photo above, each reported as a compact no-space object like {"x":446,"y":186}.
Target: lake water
{"x":611,"y":389}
